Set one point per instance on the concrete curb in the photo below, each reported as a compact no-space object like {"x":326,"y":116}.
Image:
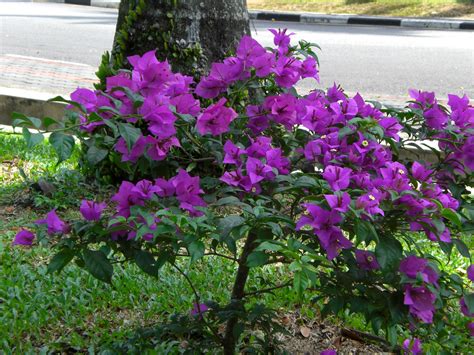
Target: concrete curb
{"x":309,"y":18}
{"x":29,"y":103}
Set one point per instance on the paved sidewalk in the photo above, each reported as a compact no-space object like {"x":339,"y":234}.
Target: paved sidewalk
{"x":44,"y":76}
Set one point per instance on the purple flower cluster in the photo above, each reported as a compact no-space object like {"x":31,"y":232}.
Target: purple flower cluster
{"x":160,"y":88}
{"x":184,"y":187}
{"x":419,"y":299}
{"x":252,"y":56}
{"x":257,"y":163}
{"x":324,"y":224}
{"x":459,"y":148}
{"x":359,"y":161}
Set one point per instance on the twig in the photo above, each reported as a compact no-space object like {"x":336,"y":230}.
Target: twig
{"x":267,"y":290}
{"x":366,"y":337}
{"x":196,"y":296}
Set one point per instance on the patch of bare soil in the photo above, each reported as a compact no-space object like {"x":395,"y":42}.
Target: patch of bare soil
{"x":310,"y":337}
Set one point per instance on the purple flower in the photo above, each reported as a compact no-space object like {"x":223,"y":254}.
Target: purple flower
{"x":339,"y":202}
{"x":470,"y":272}
{"x":276,"y":160}
{"x":145,"y":189}
{"x":329,"y":352}
{"x":412,"y":346}
{"x":333,"y":241}
{"x":420,"y":173}
{"x":370,"y":202}
{"x":423,"y":99}
{"x":126,"y":198}
{"x":232,"y":178}
{"x":470,"y":327}
{"x":187,"y":192}
{"x":411,"y":266}
{"x":464,"y":308}
{"x":216,"y":119}
{"x":54,"y":223}
{"x":198,"y":309}
{"x":164,"y":188}
{"x":338,"y":178}
{"x":309,"y":69}
{"x":91,"y":210}
{"x":287,"y":71}
{"x":24,"y":237}
{"x":259,"y":147}
{"x":366,"y":260}
{"x":435,"y":117}
{"x":282,"y":109}
{"x":281,"y":39}
{"x":136,"y":151}
{"x":420,"y":301}
{"x":258,"y":121}
{"x":318,"y":218}
{"x":391,"y":127}
{"x":232,"y":153}
{"x":258,"y":171}
{"x":186,"y":104}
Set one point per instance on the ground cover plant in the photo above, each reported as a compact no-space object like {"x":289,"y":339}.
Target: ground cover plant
{"x":406,"y":8}
{"x":239,"y":166}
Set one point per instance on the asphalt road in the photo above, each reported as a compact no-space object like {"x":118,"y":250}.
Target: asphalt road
{"x":380,"y":62}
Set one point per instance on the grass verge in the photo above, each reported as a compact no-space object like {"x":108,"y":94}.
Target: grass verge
{"x":404,"y":8}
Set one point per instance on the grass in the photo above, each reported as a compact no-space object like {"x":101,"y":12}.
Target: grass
{"x":71,"y":311}
{"x":405,"y":8}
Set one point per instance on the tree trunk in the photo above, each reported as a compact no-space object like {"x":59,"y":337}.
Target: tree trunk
{"x":238,"y":293}
{"x":191,"y":34}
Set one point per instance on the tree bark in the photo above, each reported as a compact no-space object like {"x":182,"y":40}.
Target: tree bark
{"x":238,"y":293}
{"x":176,"y":28}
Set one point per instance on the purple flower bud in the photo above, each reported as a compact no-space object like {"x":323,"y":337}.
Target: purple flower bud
{"x":412,"y":346}
{"x":54,"y":223}
{"x":24,"y":237}
{"x":199,"y":309}
{"x":329,"y":352}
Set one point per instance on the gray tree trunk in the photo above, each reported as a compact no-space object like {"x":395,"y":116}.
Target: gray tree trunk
{"x":191,"y":34}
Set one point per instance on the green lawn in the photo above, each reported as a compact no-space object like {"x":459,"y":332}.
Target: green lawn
{"x":72,"y":311}
{"x":409,"y":8}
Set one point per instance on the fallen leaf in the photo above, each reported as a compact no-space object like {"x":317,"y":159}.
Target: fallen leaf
{"x":305,"y":331}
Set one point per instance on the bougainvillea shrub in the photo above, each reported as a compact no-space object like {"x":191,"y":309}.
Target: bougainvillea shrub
{"x":241,"y":166}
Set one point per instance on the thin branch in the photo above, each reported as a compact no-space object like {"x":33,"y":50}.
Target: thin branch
{"x":366,"y":337}
{"x":267,"y":290}
{"x":197,"y":299}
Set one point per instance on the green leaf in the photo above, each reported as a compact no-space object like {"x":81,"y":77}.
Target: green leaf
{"x":63,"y":145}
{"x":271,"y":246}
{"x":32,"y":139}
{"x":452,"y":216}
{"x":146,"y":262}
{"x":257,"y":258}
{"x":60,"y":260}
{"x":228,"y":223}
{"x":96,"y":155}
{"x":20,"y":119}
{"x":129,"y":133}
{"x":388,"y":251}
{"x":365,"y":231}
{"x":462,"y":248}
{"x":196,"y":250}
{"x":98,"y":265}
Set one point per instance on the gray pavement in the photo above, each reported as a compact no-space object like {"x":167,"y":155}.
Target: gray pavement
{"x":380,"y":62}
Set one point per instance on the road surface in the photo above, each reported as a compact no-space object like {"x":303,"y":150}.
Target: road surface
{"x":380,"y":62}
